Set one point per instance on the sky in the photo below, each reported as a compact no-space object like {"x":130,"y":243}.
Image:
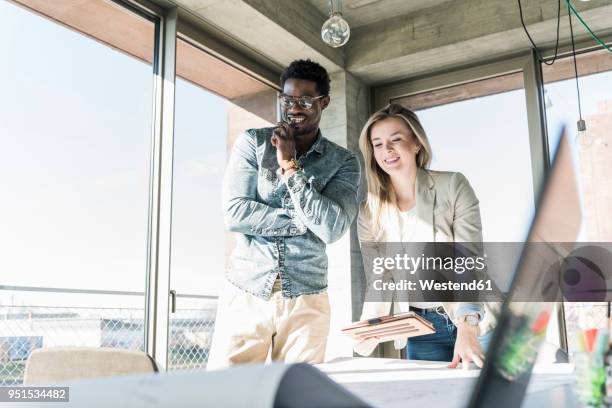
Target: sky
{"x":487,"y":133}
{"x":75,"y":130}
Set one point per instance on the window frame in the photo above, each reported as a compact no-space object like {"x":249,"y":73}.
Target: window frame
{"x":527,"y":63}
{"x":174,"y":22}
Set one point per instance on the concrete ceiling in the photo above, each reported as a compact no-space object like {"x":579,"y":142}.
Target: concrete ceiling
{"x":393,"y":40}
{"x":363,"y":12}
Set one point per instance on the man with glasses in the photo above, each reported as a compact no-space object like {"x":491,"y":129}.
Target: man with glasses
{"x":287,"y":193}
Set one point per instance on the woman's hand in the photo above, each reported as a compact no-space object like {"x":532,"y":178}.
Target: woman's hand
{"x":365,"y":347}
{"x":467,"y":347}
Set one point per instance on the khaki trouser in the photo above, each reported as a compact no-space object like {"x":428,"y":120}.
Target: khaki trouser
{"x":248,"y":329}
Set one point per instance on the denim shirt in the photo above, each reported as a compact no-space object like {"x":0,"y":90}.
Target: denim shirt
{"x":283,"y":225}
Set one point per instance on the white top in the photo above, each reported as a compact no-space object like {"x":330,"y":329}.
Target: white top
{"x":408,"y":220}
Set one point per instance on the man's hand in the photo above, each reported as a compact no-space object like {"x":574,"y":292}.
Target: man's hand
{"x":467,"y":347}
{"x":284,"y":142}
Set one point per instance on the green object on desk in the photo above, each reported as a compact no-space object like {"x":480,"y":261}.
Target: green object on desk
{"x":590,"y":378}
{"x":520,"y":349}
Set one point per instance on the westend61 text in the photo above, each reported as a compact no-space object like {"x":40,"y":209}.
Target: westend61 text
{"x":430,"y":285}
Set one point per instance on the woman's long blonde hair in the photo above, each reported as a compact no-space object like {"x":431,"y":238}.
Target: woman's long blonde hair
{"x":381,"y":197}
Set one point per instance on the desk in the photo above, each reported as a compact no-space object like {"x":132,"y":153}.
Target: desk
{"x":391,"y":383}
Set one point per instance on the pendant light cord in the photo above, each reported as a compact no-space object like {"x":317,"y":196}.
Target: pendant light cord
{"x":535,"y":47}
{"x":569,"y":15}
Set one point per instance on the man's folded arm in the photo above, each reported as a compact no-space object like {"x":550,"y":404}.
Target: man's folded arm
{"x":329,"y":213}
{"x":241,"y":211}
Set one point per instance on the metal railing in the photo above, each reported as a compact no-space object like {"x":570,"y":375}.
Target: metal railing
{"x":26,"y":328}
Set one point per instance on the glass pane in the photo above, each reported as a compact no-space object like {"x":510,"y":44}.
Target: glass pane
{"x":480,"y":129}
{"x":214,"y":103}
{"x":75,"y":130}
{"x":594,"y":148}
{"x":593,"y":151}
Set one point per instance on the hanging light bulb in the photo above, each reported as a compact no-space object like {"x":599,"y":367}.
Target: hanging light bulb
{"x":335,"y":31}
{"x":583,"y":138}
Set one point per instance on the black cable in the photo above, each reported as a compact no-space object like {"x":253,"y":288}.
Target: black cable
{"x":535,"y":47}
{"x":569,"y":15}
{"x":558,"y":25}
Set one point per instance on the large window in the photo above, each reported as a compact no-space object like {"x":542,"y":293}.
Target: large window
{"x":593,"y":150}
{"x":76,"y":127}
{"x":75,"y":137}
{"x":480,"y":129}
{"x":214,"y":103}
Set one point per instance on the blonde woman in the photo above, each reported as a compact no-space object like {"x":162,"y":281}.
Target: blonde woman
{"x":406,"y":202}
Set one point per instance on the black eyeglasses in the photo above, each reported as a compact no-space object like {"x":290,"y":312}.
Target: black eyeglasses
{"x":305,"y":102}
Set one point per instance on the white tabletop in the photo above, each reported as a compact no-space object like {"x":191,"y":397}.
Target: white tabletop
{"x":389,"y":383}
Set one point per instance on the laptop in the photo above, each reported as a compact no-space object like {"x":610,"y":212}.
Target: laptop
{"x":522,"y":324}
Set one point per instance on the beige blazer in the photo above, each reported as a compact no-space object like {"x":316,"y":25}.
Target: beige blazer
{"x":447,"y":211}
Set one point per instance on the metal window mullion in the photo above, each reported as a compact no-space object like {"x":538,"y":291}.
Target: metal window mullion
{"x":160,"y":203}
{"x":536,"y":121}
{"x":540,"y":157}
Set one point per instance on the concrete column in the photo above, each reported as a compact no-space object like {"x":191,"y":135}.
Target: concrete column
{"x":341,"y":123}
